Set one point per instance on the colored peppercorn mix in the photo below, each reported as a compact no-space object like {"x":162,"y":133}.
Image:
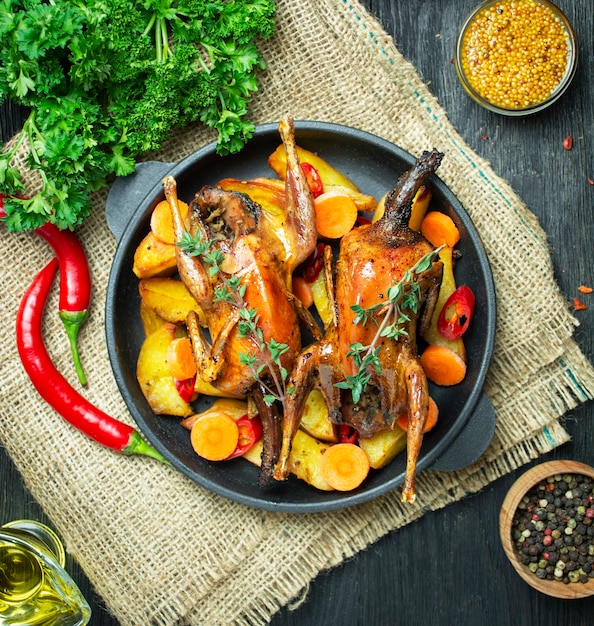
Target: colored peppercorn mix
{"x":515,"y":53}
{"x":553,"y":529}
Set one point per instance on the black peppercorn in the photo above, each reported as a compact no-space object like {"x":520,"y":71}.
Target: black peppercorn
{"x":553,"y":530}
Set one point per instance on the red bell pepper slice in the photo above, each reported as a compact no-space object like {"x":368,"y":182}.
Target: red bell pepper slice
{"x":250,"y":431}
{"x":456,"y":314}
{"x":347,"y":434}
{"x":314,"y":179}
{"x":313,"y":264}
{"x":185,"y":388}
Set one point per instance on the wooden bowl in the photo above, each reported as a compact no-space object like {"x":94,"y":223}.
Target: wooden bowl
{"x":519,"y":489}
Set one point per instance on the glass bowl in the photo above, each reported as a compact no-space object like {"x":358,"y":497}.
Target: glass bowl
{"x":543,"y":474}
{"x":516,"y":57}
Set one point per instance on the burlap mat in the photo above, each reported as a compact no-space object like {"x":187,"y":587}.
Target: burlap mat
{"x":162,"y":550}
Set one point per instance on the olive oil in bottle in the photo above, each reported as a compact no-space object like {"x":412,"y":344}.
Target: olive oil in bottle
{"x":35,"y":590}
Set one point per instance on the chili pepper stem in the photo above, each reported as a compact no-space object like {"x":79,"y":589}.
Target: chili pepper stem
{"x":137,"y":445}
{"x":72,"y":323}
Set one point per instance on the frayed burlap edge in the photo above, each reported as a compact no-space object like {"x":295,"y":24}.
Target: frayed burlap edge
{"x":155,"y":545}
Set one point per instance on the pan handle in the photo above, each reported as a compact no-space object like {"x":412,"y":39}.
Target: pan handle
{"x":128,"y":192}
{"x":472,"y":440}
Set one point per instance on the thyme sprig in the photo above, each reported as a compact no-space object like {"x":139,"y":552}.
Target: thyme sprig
{"x":403,"y":299}
{"x":267,"y":356}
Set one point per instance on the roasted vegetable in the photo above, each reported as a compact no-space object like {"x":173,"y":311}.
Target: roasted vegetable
{"x":153,"y":374}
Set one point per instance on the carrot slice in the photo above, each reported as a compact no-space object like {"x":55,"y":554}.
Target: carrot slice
{"x":303,"y":291}
{"x":180,"y":359}
{"x":443,"y":366}
{"x":439,"y":229}
{"x":432,"y":416}
{"x":336,"y":214}
{"x":214,"y":437}
{"x":344,"y":466}
{"x":161,"y":223}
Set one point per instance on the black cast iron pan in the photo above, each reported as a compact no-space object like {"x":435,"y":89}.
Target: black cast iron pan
{"x":467,"y":418}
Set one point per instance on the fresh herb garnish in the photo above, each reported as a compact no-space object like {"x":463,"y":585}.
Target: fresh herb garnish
{"x":403,"y":296}
{"x":107,"y":81}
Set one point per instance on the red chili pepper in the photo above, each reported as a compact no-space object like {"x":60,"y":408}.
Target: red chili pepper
{"x":313,"y":178}
{"x":456,"y":314}
{"x":314,"y":263}
{"x":54,"y":388}
{"x":75,"y":283}
{"x":347,"y":434}
{"x":250,"y":431}
{"x":185,"y":388}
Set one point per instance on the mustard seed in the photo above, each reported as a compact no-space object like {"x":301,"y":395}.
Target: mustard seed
{"x":515,"y":53}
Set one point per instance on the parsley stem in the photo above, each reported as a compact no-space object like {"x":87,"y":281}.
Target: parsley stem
{"x":149,"y":26}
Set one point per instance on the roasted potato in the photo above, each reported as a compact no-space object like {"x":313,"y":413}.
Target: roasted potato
{"x":169,"y":299}
{"x":382,"y":447}
{"x":448,"y":285}
{"x":419,"y":208}
{"x":154,"y":258}
{"x":329,"y":175}
{"x":306,"y":456}
{"x":154,"y":377}
{"x":315,"y":419}
{"x":363,"y":202}
{"x":234,"y":408}
{"x":149,"y":319}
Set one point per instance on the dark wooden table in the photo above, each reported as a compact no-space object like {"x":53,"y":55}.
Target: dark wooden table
{"x":449,"y":567}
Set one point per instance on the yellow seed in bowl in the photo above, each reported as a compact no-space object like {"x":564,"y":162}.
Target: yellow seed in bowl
{"x":514,"y":53}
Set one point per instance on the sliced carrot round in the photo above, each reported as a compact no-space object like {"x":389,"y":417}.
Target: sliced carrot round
{"x":440,"y":229}
{"x":345,"y":466}
{"x":443,"y":366}
{"x":336,"y":214}
{"x":180,"y":359}
{"x":214,"y":437}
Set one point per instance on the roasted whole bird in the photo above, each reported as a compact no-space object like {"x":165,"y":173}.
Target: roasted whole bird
{"x":371,"y":259}
{"x":262,"y":255}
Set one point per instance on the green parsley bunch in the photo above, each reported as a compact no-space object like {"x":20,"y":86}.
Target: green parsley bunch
{"x":107,"y":80}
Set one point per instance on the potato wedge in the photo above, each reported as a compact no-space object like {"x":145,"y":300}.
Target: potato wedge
{"x":169,"y":298}
{"x":419,"y":208}
{"x":315,"y":419}
{"x":207,"y":389}
{"x":330,"y":176}
{"x":149,"y":319}
{"x":321,"y":300}
{"x":152,"y":372}
{"x":254,"y":454}
{"x":363,"y":202}
{"x":306,"y":457}
{"x":384,"y":446}
{"x":162,"y":223}
{"x":154,"y":258}
{"x":305,"y":460}
{"x":269,"y":194}
{"x":234,"y":408}
{"x":448,"y":285}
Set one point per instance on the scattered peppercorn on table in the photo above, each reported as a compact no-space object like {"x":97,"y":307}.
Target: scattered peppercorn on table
{"x":450,"y":562}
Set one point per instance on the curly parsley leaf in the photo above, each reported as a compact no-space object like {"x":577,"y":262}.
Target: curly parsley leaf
{"x":107,"y":81}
